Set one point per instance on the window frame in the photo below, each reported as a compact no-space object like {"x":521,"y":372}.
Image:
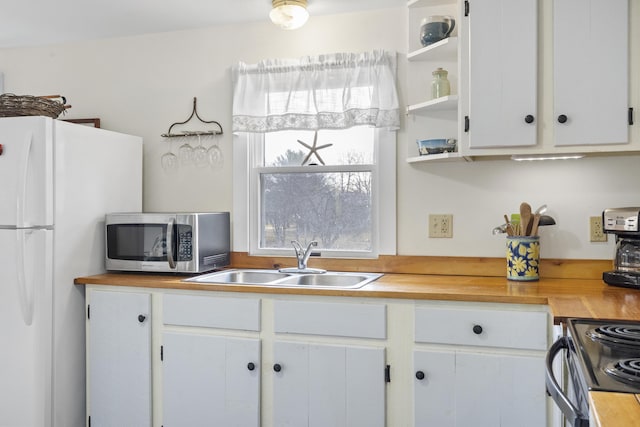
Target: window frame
{"x":246,"y":193}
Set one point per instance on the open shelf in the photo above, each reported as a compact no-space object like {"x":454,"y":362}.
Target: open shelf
{"x":425,"y":3}
{"x":445,"y":49}
{"x":439,"y":104}
{"x":443,"y":157}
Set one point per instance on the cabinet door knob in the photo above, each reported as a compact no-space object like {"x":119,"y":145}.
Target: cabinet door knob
{"x":562,"y":118}
{"x":477,"y":329}
{"x":277,"y":367}
{"x":141,"y":318}
{"x":529,"y":118}
{"x":251,"y":366}
{"x":420,"y":375}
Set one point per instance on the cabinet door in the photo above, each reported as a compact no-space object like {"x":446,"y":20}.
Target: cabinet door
{"x":502,"y":48}
{"x":591,"y":71}
{"x":210,"y":380}
{"x":119,"y":359}
{"x":433,"y":388}
{"x":478,"y":389}
{"x":327,"y":385}
{"x":500,"y":390}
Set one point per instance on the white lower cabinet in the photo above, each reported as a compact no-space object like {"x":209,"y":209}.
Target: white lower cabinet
{"x":457,"y":388}
{"x":479,"y":366}
{"x":118,"y":359}
{"x":320,"y":385}
{"x":339,"y":382}
{"x":232,"y":359}
{"x":434,"y":388}
{"x":210,"y":373}
{"x":210,"y":380}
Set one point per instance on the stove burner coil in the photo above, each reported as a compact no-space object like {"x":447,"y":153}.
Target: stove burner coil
{"x":625,"y":370}
{"x":617,"y":336}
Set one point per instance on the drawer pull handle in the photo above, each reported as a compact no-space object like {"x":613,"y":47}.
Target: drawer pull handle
{"x":529,"y":119}
{"x":277,"y":367}
{"x":141,"y":318}
{"x":477,"y":329}
{"x":420,"y":375}
{"x":251,"y":366}
{"x":562,"y":118}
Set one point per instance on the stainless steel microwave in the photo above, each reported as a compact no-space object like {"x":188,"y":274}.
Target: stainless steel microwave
{"x":167,"y":242}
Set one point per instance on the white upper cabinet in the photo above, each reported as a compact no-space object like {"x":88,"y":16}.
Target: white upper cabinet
{"x":501,"y":47}
{"x":591,"y":72}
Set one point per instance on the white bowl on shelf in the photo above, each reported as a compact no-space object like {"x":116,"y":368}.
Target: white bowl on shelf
{"x":436,"y":146}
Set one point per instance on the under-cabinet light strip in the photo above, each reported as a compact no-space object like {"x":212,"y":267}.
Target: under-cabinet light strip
{"x":521,"y":158}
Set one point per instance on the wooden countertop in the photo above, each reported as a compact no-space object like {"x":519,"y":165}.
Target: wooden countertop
{"x":614,"y":409}
{"x":566,"y":298}
{"x":587,"y":298}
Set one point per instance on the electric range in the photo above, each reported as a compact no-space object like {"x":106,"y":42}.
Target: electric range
{"x":599,"y":355}
{"x":608,"y":354}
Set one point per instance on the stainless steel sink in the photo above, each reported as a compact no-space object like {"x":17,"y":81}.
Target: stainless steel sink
{"x":240,"y":276}
{"x":331,"y":279}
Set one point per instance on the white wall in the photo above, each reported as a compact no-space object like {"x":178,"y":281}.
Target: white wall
{"x":141,"y":85}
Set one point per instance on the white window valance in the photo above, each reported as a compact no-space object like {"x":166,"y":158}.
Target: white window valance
{"x":334,"y":91}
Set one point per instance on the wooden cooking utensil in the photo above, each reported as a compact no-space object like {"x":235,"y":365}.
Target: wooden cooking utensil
{"x":525,"y":218}
{"x":535,"y":223}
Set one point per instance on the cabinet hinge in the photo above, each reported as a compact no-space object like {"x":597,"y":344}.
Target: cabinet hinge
{"x":387,"y":374}
{"x":630,"y":116}
{"x":161,"y":352}
{"x":88,"y":311}
{"x":466,"y":8}
{"x":466,"y":123}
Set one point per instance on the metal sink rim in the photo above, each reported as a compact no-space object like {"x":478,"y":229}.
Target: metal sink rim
{"x":290,"y":280}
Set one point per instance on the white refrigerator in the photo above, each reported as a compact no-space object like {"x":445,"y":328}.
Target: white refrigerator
{"x":57,"y":181}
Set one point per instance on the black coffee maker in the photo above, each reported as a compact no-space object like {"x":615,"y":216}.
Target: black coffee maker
{"x":623,"y":222}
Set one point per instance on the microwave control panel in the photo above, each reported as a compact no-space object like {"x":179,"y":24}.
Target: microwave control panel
{"x":185,"y":246}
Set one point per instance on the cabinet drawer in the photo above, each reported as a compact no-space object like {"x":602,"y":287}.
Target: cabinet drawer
{"x":212,"y":312}
{"x":335,"y":319}
{"x":481,"y":327}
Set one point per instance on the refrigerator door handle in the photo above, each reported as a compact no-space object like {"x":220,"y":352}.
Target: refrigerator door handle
{"x":25,"y":292}
{"x":172,"y":262}
{"x":22,"y":182}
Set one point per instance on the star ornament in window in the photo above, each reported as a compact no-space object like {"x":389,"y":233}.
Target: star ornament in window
{"x":313,"y":150}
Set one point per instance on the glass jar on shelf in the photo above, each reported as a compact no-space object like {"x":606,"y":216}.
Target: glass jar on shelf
{"x":440,"y":85}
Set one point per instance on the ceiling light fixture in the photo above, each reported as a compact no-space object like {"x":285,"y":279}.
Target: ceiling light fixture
{"x":289,"y":14}
{"x":547,"y":157}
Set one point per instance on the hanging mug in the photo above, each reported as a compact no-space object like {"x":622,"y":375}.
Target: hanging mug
{"x":436,"y":28}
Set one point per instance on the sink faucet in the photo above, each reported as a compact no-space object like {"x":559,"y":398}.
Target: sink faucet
{"x":302,"y":256}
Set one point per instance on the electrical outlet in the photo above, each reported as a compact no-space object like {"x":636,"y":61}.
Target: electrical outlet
{"x":596,"y":232}
{"x":441,"y":226}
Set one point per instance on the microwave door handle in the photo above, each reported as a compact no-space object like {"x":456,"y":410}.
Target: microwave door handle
{"x":170,"y":259}
{"x":570,"y":411}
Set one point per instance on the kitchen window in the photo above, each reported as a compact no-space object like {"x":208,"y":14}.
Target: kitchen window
{"x":312,"y":144}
